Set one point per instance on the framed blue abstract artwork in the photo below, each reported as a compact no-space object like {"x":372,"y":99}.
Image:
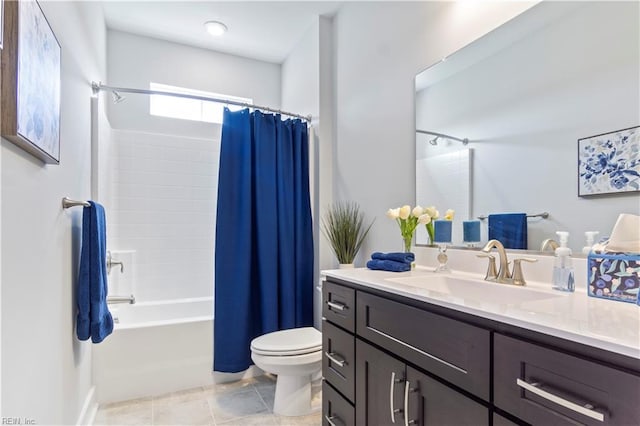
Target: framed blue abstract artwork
{"x":31,"y":81}
{"x":609,"y":163}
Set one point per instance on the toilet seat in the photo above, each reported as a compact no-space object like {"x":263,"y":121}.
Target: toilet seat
{"x":295,"y":341}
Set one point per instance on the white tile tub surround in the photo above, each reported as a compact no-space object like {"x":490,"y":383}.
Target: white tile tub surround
{"x":156,"y":347}
{"x":164,"y":207}
{"x":443,"y":180}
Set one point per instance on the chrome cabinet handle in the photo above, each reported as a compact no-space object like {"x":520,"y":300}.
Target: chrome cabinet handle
{"x":586,"y":410}
{"x":337,"y":306}
{"x":413,"y":348}
{"x":407,"y":389}
{"x":330,"y":420}
{"x":336,"y":359}
{"x":393,"y":411}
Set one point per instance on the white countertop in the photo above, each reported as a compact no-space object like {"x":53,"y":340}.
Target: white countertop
{"x":604,"y":324}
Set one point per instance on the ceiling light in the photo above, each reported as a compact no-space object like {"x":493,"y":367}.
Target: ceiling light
{"x":215,"y":28}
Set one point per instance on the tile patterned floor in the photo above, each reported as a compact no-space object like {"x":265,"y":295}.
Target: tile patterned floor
{"x":244,"y":403}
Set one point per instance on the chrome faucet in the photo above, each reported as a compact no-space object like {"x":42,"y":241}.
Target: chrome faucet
{"x":503,"y":276}
{"x":552,"y":244}
{"x":503,"y":271}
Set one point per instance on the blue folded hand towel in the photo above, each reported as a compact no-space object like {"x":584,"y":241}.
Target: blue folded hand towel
{"x":94,"y":319}
{"x":388,"y":265}
{"x":510,"y":229}
{"x":395,"y":256}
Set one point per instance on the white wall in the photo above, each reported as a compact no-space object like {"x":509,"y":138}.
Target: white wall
{"x":307,"y":88}
{"x":46,"y":371}
{"x":135,"y":61}
{"x":374,"y":75}
{"x":527,"y":105}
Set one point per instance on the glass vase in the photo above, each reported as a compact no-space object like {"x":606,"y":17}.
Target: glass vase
{"x":407,"y":244}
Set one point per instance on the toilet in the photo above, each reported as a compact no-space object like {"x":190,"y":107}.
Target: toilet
{"x":294,"y":356}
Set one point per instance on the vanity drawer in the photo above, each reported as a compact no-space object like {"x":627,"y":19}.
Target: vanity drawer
{"x":336,"y":411}
{"x":455,"y":351}
{"x":338,"y":359}
{"x":338,"y":305}
{"x":544,"y":386}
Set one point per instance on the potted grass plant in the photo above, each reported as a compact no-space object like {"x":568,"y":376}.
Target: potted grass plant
{"x":343,"y":225}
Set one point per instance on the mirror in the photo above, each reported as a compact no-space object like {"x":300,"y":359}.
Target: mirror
{"x":523,"y":95}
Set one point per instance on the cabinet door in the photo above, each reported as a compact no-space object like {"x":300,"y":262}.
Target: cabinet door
{"x":338,"y":360}
{"x":336,"y":411}
{"x":339,"y":305}
{"x":429,"y":402}
{"x":379,"y":387}
{"x":543,"y":386}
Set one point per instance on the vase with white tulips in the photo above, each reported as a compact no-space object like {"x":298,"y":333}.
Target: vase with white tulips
{"x":408,"y":220}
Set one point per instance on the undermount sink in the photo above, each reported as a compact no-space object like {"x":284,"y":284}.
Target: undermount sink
{"x":481,"y":291}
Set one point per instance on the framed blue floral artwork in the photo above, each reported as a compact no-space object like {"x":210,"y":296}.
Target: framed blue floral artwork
{"x":609,"y":163}
{"x":31,"y":62}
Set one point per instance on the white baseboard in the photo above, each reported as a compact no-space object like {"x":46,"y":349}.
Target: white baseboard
{"x":89,"y":409}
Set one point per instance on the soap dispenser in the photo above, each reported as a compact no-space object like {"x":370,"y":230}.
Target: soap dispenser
{"x":563,"y":279}
{"x":591,"y":236}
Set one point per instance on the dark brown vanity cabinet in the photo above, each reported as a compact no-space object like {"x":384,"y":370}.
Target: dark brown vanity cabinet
{"x":390,"y":360}
{"x":388,"y":391}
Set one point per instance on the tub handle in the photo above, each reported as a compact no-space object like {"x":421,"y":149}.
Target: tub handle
{"x":111,"y":263}
{"x":121,"y":299}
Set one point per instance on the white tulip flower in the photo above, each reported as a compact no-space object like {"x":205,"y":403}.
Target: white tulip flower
{"x":405,"y":211}
{"x":449,"y":214}
{"x":393,"y":213}
{"x":424,"y":219}
{"x":431,"y":211}
{"x":417,"y":211}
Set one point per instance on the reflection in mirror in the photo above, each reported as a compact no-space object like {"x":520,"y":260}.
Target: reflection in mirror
{"x":523,"y":95}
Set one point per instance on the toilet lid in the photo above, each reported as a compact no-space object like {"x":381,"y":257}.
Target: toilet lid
{"x":295,"y":341}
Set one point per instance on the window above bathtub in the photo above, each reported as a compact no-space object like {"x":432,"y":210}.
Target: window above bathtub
{"x":190,"y":109}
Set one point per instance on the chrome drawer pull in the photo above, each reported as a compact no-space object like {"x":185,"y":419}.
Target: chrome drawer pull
{"x":428,"y":355}
{"x":407,"y":389}
{"x":336,"y":359}
{"x":393,"y":411}
{"x":336,"y":306}
{"x":584,"y":410}
{"x":331,"y":419}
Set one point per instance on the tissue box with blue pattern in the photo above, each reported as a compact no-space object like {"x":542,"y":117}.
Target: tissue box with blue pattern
{"x":614,"y":276}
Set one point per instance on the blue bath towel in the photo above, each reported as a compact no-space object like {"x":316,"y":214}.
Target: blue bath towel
{"x":388,"y":265}
{"x":94,"y":319}
{"x":395,"y":256}
{"x":510,"y":229}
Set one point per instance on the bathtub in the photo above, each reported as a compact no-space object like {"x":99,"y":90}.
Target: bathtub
{"x":155,"y":348}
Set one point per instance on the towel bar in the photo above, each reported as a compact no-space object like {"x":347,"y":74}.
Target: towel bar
{"x":543,"y":215}
{"x":68,"y":202}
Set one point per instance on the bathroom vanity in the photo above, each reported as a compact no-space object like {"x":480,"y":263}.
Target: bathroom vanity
{"x":426,"y":349}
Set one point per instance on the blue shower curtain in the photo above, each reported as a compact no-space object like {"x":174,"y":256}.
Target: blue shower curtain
{"x":264,"y":240}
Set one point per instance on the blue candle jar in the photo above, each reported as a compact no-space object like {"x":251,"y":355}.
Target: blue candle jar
{"x":471,"y":231}
{"x":442,"y":231}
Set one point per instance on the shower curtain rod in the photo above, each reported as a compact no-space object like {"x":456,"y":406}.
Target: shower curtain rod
{"x":442,"y":135}
{"x":97,"y":87}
